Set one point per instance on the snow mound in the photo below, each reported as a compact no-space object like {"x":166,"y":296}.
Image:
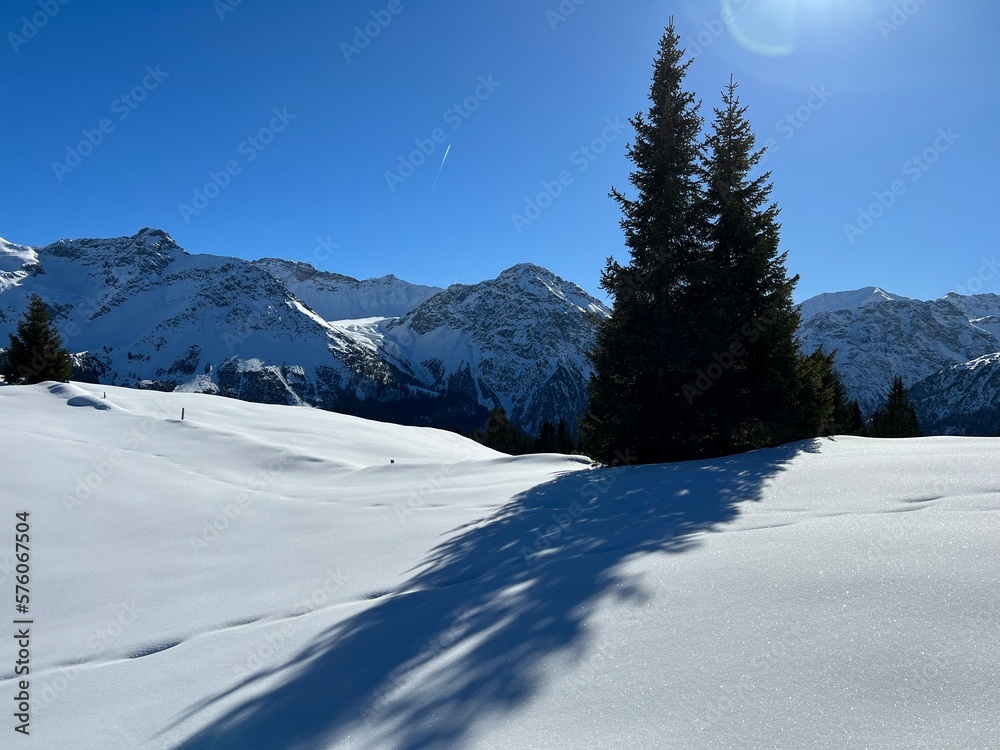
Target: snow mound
{"x":76,"y":396}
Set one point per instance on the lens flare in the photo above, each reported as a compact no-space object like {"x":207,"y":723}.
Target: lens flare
{"x":775,"y":27}
{"x":766,"y":27}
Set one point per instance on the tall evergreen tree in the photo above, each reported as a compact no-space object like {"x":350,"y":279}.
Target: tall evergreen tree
{"x":36,"y":353}
{"x":651,"y":343}
{"x":898,"y":418}
{"x":748,"y":301}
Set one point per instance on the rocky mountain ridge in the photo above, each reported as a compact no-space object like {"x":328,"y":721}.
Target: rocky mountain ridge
{"x":140,"y":311}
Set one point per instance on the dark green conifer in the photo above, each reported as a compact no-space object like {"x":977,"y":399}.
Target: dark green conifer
{"x":651,"y":344}
{"x":898,"y":418}
{"x":36,"y":353}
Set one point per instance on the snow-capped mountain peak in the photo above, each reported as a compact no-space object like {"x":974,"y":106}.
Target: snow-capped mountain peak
{"x":518,"y":341}
{"x":849,"y":300}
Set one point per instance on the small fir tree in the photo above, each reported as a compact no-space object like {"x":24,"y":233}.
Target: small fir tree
{"x":36,"y":353}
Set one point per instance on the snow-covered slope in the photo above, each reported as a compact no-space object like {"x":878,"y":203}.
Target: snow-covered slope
{"x":16,"y":264}
{"x":518,"y":341}
{"x":983,"y":310}
{"x":264,"y":578}
{"x":852,"y":300}
{"x":337,"y":297}
{"x":961,"y":399}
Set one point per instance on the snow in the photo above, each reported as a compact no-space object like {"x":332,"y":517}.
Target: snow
{"x":851,"y":300}
{"x":274,"y":577}
{"x":14,"y":263}
{"x":336,"y":297}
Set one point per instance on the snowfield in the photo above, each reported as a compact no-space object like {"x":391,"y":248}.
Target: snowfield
{"x":286,"y":578}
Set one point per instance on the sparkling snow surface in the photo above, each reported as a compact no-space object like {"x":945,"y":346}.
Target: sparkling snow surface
{"x":277,"y":577}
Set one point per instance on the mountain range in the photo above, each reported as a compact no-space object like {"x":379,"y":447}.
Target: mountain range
{"x":945,"y":350}
{"x":141,"y":312}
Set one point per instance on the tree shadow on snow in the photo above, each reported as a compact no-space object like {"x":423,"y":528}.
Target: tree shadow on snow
{"x":476,"y":629}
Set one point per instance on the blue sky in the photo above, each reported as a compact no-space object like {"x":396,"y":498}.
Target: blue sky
{"x":300,"y":133}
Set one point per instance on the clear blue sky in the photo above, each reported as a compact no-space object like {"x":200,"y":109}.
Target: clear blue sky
{"x":888,"y":82}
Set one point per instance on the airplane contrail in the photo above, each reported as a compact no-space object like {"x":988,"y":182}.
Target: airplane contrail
{"x":446,"y":152}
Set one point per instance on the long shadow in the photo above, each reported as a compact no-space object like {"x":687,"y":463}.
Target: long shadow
{"x":474,"y":632}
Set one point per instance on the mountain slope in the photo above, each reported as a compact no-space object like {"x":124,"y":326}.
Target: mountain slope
{"x":909,"y":338}
{"x":963,"y":399}
{"x":336,"y":297}
{"x":144,"y":313}
{"x":518,"y":341}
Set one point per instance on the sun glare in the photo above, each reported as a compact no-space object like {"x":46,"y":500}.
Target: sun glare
{"x":772,"y":27}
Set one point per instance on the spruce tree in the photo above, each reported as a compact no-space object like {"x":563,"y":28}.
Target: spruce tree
{"x":898,"y":418}
{"x":752,"y":318}
{"x":652,"y":342}
{"x":36,"y":353}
